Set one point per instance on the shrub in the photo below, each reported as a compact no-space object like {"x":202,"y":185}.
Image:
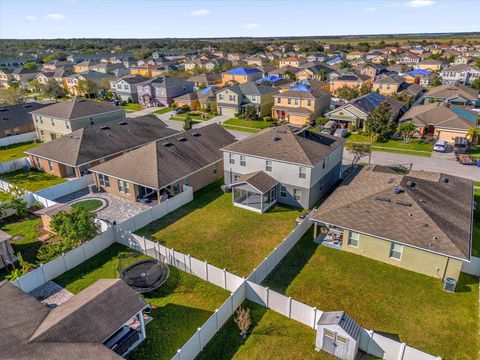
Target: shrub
{"x":130,"y":101}
{"x":267,"y":119}
{"x":351,"y":127}
{"x":320,"y":121}
{"x":123,"y":103}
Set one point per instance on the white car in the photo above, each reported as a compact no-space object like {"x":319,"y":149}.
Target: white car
{"x":440,"y":146}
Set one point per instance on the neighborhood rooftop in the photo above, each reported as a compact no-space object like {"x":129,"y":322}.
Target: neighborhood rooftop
{"x":75,"y":108}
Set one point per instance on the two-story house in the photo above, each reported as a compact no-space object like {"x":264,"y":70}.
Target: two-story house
{"x":161,"y":90}
{"x":235,"y":99}
{"x":350,"y":80}
{"x":301,"y":103}
{"x":292,"y":61}
{"x":388,"y":84}
{"x":126,"y":87}
{"x":22,"y":76}
{"x":74,"y":81}
{"x":64,"y":117}
{"x":240,"y":75}
{"x":462,"y":73}
{"x":5,"y":77}
{"x":283,"y":164}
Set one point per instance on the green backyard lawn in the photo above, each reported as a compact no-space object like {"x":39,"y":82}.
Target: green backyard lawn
{"x":4,"y":197}
{"x":384,"y":298}
{"x":211,"y":228}
{"x":15,"y":151}
{"x":28,"y":230}
{"x":271,"y":336}
{"x":184,"y":302}
{"x":414,"y":147}
{"x":89,"y":205}
{"x":32,"y":180}
{"x":163,"y":110}
{"x":255,"y":124}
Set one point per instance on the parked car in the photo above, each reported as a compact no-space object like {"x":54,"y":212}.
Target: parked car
{"x":440,"y":146}
{"x":341,"y":132}
{"x":329,"y":127}
{"x":462,"y":146}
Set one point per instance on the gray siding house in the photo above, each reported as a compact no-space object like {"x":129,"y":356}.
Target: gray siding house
{"x":126,"y":87}
{"x":284,"y":165}
{"x":161,"y":90}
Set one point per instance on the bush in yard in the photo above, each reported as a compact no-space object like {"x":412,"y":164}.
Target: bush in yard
{"x":185,"y":108}
{"x":188,"y":123}
{"x":250,"y":113}
{"x":75,"y":226}
{"x":243,"y":321}
{"x":379,"y":123}
{"x":267,"y":118}
{"x":20,"y":206}
{"x":17,"y":272}
{"x":129,"y":100}
{"x":351,"y":128}
{"x":48,"y":252}
{"x":320,"y":121}
{"x":407,"y":130}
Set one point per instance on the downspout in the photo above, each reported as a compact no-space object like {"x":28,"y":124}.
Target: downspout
{"x":445,"y":270}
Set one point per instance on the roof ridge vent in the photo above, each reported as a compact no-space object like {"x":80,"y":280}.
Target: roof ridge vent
{"x":167,"y":144}
{"x":105,"y":128}
{"x":382,"y":198}
{"x":196,"y":134}
{"x":122,"y":123}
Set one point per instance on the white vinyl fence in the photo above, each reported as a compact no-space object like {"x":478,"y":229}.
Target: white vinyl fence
{"x":472,"y":267}
{"x":13,"y":165}
{"x":66,"y":188}
{"x":18,"y":139}
{"x":65,"y":262}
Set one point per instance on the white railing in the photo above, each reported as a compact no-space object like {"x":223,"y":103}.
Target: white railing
{"x":18,"y":139}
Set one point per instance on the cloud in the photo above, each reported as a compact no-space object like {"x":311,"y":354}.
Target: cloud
{"x":30,"y":17}
{"x":55,"y":16}
{"x":371,"y":9}
{"x":391,"y":5}
{"x":200,"y":12}
{"x":419,"y":3}
{"x":252,"y":26}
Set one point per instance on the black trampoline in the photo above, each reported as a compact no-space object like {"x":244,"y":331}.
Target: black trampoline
{"x":145,"y":275}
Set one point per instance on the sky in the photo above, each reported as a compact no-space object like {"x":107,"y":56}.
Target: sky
{"x":21,"y":19}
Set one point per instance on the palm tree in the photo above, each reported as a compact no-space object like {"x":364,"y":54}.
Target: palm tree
{"x":474,"y":133}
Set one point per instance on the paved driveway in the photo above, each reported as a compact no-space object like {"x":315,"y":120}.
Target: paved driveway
{"x":445,"y":164}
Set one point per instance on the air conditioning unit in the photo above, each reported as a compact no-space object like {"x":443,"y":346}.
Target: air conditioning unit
{"x":449,"y":284}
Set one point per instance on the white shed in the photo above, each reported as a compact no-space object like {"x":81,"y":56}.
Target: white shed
{"x":7,"y":256}
{"x":338,"y":335}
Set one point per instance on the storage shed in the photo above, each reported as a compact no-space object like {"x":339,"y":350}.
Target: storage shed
{"x":47,"y":213}
{"x":7,"y":256}
{"x":338,"y":334}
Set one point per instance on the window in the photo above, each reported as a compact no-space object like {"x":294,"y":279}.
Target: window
{"x":279,"y":100}
{"x":283,"y":191}
{"x":302,"y":172}
{"x":289,"y":101}
{"x":235,"y":177}
{"x":220,"y":97}
{"x":309,"y":102}
{"x":214,"y":169}
{"x":254,"y":98}
{"x":323,"y":165}
{"x":353,"y":239}
{"x":50,"y":165}
{"x":231,"y":159}
{"x":243,"y":160}
{"x":67,"y":125}
{"x":297,"y":194}
{"x":268,"y":165}
{"x":231,"y":97}
{"x":92,"y":121}
{"x":396,"y":251}
{"x":104,"y":180}
{"x":296,"y":102}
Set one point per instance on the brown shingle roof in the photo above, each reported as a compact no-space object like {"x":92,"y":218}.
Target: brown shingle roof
{"x":438,"y":115}
{"x":76,"y":108}
{"x":286,"y":143}
{"x":434,"y":215}
{"x":449,"y":91}
{"x":258,"y":179}
{"x":164,"y":161}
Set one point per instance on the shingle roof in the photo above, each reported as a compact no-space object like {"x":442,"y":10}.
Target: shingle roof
{"x":449,"y":91}
{"x":367,"y":103}
{"x":258,"y":179}
{"x":162,"y":162}
{"x":76,"y":108}
{"x":438,"y":115}
{"x":98,"y":141}
{"x":435,"y":214}
{"x":12,"y":116}
{"x":286,"y":143}
{"x":166,"y":81}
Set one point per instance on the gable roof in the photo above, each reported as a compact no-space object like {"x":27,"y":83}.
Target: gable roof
{"x":367,"y":103}
{"x":12,"y":116}
{"x":76,"y":108}
{"x":258,"y":179}
{"x":99,"y":141}
{"x":166,"y":81}
{"x":164,"y":161}
{"x":438,"y":115}
{"x":435,"y":214}
{"x":287,"y":143}
{"x":449,"y":91}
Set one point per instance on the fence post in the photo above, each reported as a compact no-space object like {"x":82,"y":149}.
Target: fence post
{"x":189,"y":263}
{"x":314,"y":316}
{"x":206,"y":270}
{"x":289,"y":307}
{"x":401,"y":353}
{"x":173,"y":257}
{"x":145,"y":245}
{"x":216,"y":319}
{"x":231,"y":303}
{"x":199,"y":330}
{"x":179,"y":354}
{"x":185,"y":262}
{"x":267,"y":290}
{"x":43,"y":273}
{"x":64,"y":262}
{"x":84,"y":254}
{"x":224,"y":278}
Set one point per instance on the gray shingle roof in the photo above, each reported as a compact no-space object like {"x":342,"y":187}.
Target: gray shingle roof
{"x":162,"y":162}
{"x":286,"y":143}
{"x":76,"y":108}
{"x":438,"y":115}
{"x":98,"y":141}
{"x":12,"y":116}
{"x":434,"y":215}
{"x":258,"y":179}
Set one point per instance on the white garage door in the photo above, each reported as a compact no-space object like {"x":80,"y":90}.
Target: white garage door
{"x":227,"y":111}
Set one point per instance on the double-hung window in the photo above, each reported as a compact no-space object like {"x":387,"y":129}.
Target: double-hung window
{"x":231,"y":159}
{"x":297,"y":194}
{"x":50,"y":165}
{"x":302,"y":172}
{"x":243,"y":160}
{"x":396,"y":251}
{"x":123,"y":186}
{"x":283,"y":191}
{"x":353,"y":239}
{"x":268,"y":165}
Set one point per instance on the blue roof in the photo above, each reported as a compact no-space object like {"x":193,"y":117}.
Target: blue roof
{"x":300,"y":87}
{"x":243,"y":71}
{"x":269,"y":78}
{"x":206,"y":90}
{"x":419,"y":72}
{"x":334,"y":60}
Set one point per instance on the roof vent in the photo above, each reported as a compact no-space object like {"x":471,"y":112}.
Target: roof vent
{"x":397,"y":190}
{"x":122,"y":123}
{"x":4,"y":118}
{"x":275,"y":138}
{"x":382,"y":198}
{"x":423,"y":201}
{"x":434,"y":238}
{"x":167,"y":144}
{"x":403,"y":203}
{"x":105,"y":128}
{"x":411,"y":184}
{"x":3,"y":109}
{"x":446,"y":180}
{"x":182,"y":139}
{"x":196,"y":134}
{"x":26,"y":106}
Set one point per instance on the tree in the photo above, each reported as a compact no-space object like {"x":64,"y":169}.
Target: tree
{"x":407,"y":130}
{"x":13,"y":95}
{"x":379,"y":123}
{"x":53,"y":89}
{"x":30,"y":66}
{"x":250,"y":113}
{"x":474,"y":133}
{"x":476,"y":84}
{"x":347,"y":93}
{"x":34,"y":85}
{"x":87,"y":87}
{"x":243,"y":321}
{"x":359,"y":150}
{"x":18,"y":272}
{"x":437,"y":80}
{"x":290,"y":75}
{"x":322,"y":74}
{"x":188,"y":123}
{"x":75,"y":226}
{"x":365,"y":89}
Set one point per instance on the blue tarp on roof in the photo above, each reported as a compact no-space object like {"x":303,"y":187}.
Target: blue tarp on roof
{"x":335,"y":60}
{"x":417,"y":72}
{"x":206,"y":90}
{"x":465,"y":114}
{"x":300,"y":87}
{"x":270,"y":78}
{"x":243,"y":71}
